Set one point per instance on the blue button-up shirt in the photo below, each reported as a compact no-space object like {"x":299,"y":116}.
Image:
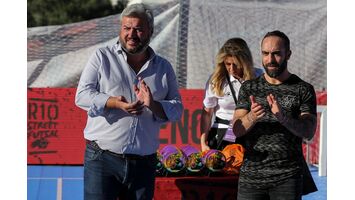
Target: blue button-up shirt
{"x":108,"y":74}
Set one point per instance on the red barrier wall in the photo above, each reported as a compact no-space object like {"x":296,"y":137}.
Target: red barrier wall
{"x":55,"y":125}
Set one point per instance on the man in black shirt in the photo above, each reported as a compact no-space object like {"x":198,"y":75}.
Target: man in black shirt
{"x":273,"y":115}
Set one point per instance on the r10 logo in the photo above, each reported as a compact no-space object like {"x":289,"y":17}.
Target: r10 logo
{"x":42,"y":111}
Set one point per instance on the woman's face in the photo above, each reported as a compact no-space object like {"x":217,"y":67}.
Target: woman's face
{"x":233,"y":67}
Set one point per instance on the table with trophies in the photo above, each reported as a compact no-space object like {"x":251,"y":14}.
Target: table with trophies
{"x":187,"y":173}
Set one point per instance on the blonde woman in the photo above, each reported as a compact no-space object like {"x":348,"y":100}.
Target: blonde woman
{"x":234,"y":65}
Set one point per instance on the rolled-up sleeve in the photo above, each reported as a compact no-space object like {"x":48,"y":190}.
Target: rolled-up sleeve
{"x":87,"y":95}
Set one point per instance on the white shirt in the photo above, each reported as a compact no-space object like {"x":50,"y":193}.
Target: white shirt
{"x":108,"y":74}
{"x":225,"y":104}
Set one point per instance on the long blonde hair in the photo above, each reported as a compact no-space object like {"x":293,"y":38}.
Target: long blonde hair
{"x":239,"y":50}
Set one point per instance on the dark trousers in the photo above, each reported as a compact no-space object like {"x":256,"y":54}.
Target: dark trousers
{"x":107,"y":176}
{"x":215,"y":139}
{"x":290,"y":190}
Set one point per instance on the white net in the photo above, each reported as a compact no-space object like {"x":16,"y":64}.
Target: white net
{"x":188,"y":33}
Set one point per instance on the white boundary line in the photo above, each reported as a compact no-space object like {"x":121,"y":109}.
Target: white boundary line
{"x":59,"y":188}
{"x":322,"y":156}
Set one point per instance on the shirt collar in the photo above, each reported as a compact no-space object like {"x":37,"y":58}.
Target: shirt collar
{"x":232,"y":79}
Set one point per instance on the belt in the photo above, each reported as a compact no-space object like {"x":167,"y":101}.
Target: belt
{"x":221,"y":121}
{"x":125,"y":156}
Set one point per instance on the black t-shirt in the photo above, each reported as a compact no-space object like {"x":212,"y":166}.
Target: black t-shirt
{"x":273,"y":153}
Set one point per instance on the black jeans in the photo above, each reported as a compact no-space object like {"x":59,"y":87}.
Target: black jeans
{"x":290,"y":190}
{"x":215,"y":139}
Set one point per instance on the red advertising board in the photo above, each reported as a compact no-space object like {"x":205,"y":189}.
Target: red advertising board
{"x":55,"y":125}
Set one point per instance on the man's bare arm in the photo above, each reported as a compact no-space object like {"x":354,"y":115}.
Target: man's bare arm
{"x":243,"y":120}
{"x":305,"y":126}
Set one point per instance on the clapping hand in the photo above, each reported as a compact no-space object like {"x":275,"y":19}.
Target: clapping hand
{"x":275,"y":107}
{"x":143,"y":93}
{"x":256,"y":110}
{"x":135,"y":108}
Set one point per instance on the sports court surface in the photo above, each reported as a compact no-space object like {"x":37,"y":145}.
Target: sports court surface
{"x":66,"y":183}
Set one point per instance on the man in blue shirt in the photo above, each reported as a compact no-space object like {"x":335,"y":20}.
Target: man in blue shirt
{"x":128,"y":92}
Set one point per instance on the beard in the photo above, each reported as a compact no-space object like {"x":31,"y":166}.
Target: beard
{"x":140,"y":48}
{"x":279,"y":68}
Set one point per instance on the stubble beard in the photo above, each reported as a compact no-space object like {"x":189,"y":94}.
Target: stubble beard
{"x":279,"y":69}
{"x":140,"y":48}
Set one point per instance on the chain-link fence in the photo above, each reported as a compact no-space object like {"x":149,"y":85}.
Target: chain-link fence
{"x":188,"y":33}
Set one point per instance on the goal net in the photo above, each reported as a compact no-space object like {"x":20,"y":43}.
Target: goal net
{"x":188,"y":33}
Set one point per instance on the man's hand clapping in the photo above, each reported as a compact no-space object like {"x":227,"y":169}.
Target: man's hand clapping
{"x":256,"y":110}
{"x":135,"y":108}
{"x":143,"y":93}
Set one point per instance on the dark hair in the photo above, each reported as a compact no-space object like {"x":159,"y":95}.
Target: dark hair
{"x":281,"y":35}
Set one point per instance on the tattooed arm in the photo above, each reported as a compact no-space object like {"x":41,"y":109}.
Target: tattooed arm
{"x":243,"y":120}
{"x":305,"y":126}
